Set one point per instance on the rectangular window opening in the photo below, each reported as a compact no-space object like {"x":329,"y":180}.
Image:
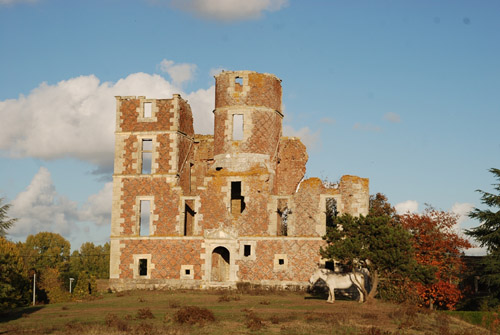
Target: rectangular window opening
{"x":145,"y":218}
{"x":237,"y":127}
{"x":238,"y":80}
{"x":282,"y":217}
{"x":143,"y":267}
{"x":329,"y":265}
{"x":188,"y":272}
{"x":147,"y":156}
{"x":330,"y":211}
{"x":237,"y":200}
{"x":148,"y":111}
{"x":189,"y":214}
{"x":281,"y":261}
{"x":247,"y":251}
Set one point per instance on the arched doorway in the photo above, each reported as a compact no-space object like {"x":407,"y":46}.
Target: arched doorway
{"x":220,"y":264}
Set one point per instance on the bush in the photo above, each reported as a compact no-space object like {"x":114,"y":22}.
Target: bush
{"x":192,"y":315}
{"x":144,"y":313}
{"x":253,"y":322}
{"x":52,"y":286}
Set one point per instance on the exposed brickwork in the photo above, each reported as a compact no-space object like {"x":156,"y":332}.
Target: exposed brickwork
{"x":217,"y":202}
{"x":291,"y":165}
{"x":166,"y":255}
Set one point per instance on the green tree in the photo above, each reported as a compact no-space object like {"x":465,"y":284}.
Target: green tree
{"x":14,"y":285}
{"x":375,"y":243}
{"x":5,"y":221}
{"x":46,"y":250}
{"x":91,"y":259}
{"x":488,"y":235}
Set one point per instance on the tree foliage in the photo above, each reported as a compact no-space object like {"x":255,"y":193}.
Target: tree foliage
{"x":52,"y":286}
{"x":14,"y":283}
{"x":5,"y":221}
{"x":46,"y":250}
{"x":375,"y":243}
{"x":488,"y":235}
{"x":93,"y":259}
{"x":437,"y":244}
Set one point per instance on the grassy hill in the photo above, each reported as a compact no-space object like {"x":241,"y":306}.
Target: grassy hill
{"x":228,"y":312}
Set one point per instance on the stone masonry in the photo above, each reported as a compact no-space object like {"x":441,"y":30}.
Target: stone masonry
{"x":199,"y":211}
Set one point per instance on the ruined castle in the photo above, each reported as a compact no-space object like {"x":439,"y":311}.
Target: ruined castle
{"x":200,"y":211}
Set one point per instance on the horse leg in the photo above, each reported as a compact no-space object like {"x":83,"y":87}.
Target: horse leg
{"x":331,"y":295}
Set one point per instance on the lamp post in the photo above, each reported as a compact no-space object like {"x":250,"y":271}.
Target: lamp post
{"x":70,"y":282}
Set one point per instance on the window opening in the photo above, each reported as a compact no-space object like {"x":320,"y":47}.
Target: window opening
{"x":148,"y":109}
{"x":281,"y":261}
{"x":237,"y":127}
{"x":145,"y":217}
{"x":143,"y":267}
{"x":238,"y":80}
{"x":237,"y":200}
{"x":189,"y":214}
{"x":330,"y":211}
{"x":188,"y":272}
{"x":191,"y":177}
{"x":147,"y":156}
{"x":282,"y":217}
{"x":330,"y":265}
{"x":247,"y":251}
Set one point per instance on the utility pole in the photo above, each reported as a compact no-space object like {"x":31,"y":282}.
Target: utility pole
{"x":34,"y":287}
{"x":70,"y":282}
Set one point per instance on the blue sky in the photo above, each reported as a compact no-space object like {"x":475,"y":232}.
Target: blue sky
{"x":406,"y":93}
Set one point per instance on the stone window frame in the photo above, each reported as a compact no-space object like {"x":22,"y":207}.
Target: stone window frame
{"x":135,"y":266}
{"x":277,"y":265}
{"x":140,"y":110}
{"x":152,"y":138}
{"x":152,"y":217}
{"x":252,"y":245}
{"x":321,"y":224}
{"x":183,"y":274}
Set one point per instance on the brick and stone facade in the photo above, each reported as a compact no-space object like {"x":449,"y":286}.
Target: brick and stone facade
{"x":199,"y":211}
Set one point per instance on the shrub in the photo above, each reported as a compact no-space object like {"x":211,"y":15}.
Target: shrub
{"x":253,"y":322}
{"x":144,"y":313}
{"x":193,"y":314}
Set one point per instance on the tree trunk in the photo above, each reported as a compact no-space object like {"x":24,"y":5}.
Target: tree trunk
{"x":363,"y":289}
{"x":373,"y":290}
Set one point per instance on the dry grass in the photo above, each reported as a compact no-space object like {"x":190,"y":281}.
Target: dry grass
{"x":232,"y":312}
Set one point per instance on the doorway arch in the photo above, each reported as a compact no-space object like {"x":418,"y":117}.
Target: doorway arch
{"x":220,"y":264}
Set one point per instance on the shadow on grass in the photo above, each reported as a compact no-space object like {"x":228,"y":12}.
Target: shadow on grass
{"x":18,"y":313}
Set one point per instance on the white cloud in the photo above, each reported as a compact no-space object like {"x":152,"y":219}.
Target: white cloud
{"x":366,"y":127}
{"x":97,"y":209}
{"x":392,"y":117}
{"x":408,"y":206}
{"x":41,"y":208}
{"x":15,"y":2}
{"x":462,"y":210}
{"x":310,"y":139}
{"x":76,"y":117}
{"x":180,"y":73}
{"x":229,"y":10}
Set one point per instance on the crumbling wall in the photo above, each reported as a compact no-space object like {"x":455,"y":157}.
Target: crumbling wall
{"x":355,"y":194}
{"x":291,"y":165}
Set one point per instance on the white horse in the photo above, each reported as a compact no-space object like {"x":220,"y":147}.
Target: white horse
{"x":340,"y":281}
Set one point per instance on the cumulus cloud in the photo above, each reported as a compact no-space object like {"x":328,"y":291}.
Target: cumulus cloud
{"x":462,"y":210}
{"x":97,"y":209}
{"x":41,"y":208}
{"x":392,"y":117}
{"x":180,"y":73}
{"x":309,"y":138}
{"x":366,"y":127}
{"x":76,"y":117}
{"x":408,"y":206}
{"x":229,"y":10}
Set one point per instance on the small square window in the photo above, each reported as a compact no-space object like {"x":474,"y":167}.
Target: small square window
{"x":247,"y":250}
{"x":188,"y":272}
{"x":143,"y":267}
{"x":281,"y":261}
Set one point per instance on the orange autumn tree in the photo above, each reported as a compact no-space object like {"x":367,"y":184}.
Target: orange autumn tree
{"x":437,"y":244}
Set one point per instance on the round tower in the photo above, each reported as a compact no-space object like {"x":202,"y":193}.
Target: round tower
{"x":248,"y":118}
